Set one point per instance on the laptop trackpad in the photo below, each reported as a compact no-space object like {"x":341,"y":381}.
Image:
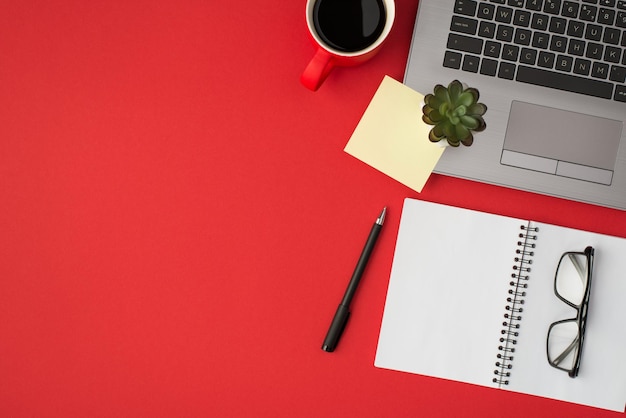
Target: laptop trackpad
{"x":562,"y":143}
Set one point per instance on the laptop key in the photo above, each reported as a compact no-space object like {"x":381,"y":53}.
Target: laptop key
{"x":582,"y":66}
{"x":465,"y":7}
{"x":492,"y":49}
{"x":528,"y":56}
{"x":564,"y":63}
{"x":504,"y":14}
{"x":570,"y":9}
{"x":600,"y":70}
{"x":471,"y":63}
{"x":541,"y":40}
{"x":612,"y":54}
{"x":552,"y":6}
{"x":539,"y":21}
{"x":593,"y":32}
{"x":504,"y":33}
{"x":546,"y":59}
{"x":510,"y":52}
{"x":522,"y":18}
{"x":522,"y":36}
{"x":489,"y":67}
{"x":557,"y":25}
{"x":487,"y":29}
{"x":452,"y":60}
{"x":576,"y":47}
{"x":534,"y":5}
{"x":465,"y":43}
{"x":566,"y":82}
{"x":558,"y":44}
{"x":576,"y":28}
{"x":611,"y":36}
{"x":588,"y":13}
{"x":606,"y":16}
{"x":486,"y":11}
{"x":464,"y":25}
{"x":507,"y":70}
{"x":594,"y":51}
{"x":618,"y":74}
{"x":620,"y":94}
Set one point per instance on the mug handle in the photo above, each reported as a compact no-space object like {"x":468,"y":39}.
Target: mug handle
{"x":318,"y":69}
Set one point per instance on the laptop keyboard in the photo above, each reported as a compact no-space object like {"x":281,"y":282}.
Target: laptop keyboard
{"x":576,"y":46}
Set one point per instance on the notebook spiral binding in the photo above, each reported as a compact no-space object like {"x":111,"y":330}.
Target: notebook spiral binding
{"x":515,"y":299}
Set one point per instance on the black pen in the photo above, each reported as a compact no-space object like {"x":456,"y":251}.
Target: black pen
{"x":343,"y":311}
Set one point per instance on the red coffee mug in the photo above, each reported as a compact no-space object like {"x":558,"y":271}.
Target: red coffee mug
{"x":329,"y":55}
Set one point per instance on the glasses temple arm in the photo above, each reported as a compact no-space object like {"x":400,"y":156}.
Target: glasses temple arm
{"x":579,"y":268}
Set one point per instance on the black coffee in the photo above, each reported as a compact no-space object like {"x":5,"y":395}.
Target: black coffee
{"x":349,"y":25}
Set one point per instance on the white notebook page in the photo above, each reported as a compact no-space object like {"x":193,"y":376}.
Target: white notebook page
{"x":447,"y":296}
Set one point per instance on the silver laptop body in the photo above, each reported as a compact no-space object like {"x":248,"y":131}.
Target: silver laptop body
{"x":539,"y":137}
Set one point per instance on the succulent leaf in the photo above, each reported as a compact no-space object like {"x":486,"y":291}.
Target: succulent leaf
{"x":468,"y":140}
{"x":482,"y":124}
{"x":477,"y":109}
{"x":435,"y":115}
{"x":454,"y":90}
{"x":441,"y":95}
{"x":469,"y":122}
{"x":448,"y":129}
{"x":435,"y":134}
{"x":466,"y":99}
{"x":462,"y":131}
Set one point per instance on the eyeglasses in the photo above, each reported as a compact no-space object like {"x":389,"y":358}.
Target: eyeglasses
{"x":572,"y":284}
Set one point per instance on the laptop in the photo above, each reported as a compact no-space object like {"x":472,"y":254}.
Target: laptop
{"x":552,"y":74}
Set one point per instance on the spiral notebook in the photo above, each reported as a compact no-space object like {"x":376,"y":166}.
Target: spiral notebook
{"x":456,"y":273}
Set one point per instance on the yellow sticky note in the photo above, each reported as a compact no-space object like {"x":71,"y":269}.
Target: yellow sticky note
{"x":392,"y":138}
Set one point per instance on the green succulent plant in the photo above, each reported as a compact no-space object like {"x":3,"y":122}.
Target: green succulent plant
{"x":455,"y":113}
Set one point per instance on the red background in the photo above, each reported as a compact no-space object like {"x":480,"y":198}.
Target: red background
{"x":179,"y":220}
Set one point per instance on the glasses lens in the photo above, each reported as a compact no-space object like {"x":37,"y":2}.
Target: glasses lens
{"x":563,"y":344}
{"x":571,"y":277}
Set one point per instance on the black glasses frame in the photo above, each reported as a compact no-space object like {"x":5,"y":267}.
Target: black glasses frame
{"x":581,"y":315}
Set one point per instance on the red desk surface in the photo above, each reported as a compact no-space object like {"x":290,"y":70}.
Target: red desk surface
{"x":179,"y":220}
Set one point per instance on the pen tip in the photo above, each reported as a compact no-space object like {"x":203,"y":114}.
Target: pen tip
{"x":381,"y":217}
